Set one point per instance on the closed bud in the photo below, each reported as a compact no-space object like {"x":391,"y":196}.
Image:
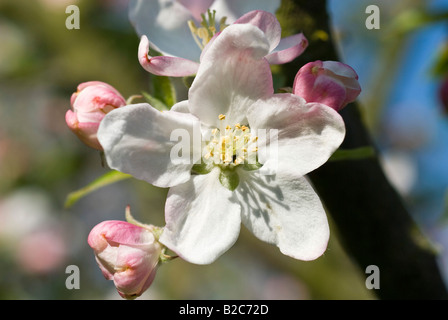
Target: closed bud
{"x":127,"y":254}
{"x":90,"y":104}
{"x":332,"y":83}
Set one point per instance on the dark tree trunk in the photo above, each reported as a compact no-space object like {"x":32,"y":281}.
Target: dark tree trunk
{"x":374,"y":225}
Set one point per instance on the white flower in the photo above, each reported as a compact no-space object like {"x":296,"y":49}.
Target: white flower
{"x":232,"y":96}
{"x":170,"y":27}
{"x":165,"y":22}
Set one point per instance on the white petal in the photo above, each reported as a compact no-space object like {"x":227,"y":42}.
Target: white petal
{"x":165,"y":23}
{"x":233,"y":9}
{"x":308,"y":133}
{"x":196,"y":7}
{"x":288,"y":49}
{"x":284,"y":210}
{"x":181,"y":107}
{"x":137,"y":140}
{"x":232,"y":75}
{"x":164,"y":65}
{"x":202,"y":219}
{"x":266,"y":22}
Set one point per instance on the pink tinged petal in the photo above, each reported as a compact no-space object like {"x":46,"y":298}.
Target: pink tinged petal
{"x":305,"y":79}
{"x":92,"y":104}
{"x":94,"y":99}
{"x":196,"y":7}
{"x":202,"y":219}
{"x":119,"y":232}
{"x":288,"y":49}
{"x":243,"y":76}
{"x":127,"y":254}
{"x":209,"y":44}
{"x":308,"y":133}
{"x":284,"y":210}
{"x":72,"y":120}
{"x":86,"y":132}
{"x":138,"y":269}
{"x":108,"y":272}
{"x":326,"y":90}
{"x":137,"y":140}
{"x":233,"y":9}
{"x":84,"y":85}
{"x":267,"y":23}
{"x":339,"y":69}
{"x":347,"y":75}
{"x":165,"y":65}
{"x":135,"y":291}
{"x":332,"y":83}
{"x":165,"y":23}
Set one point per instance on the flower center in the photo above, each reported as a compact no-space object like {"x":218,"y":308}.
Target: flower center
{"x":202,"y":35}
{"x":229,"y":146}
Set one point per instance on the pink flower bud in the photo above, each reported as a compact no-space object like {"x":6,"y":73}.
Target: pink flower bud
{"x":127,"y":254}
{"x":329,"y":82}
{"x":90,"y":104}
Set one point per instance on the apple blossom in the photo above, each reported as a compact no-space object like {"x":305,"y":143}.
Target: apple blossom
{"x":329,"y":82}
{"x":127,"y":254}
{"x":165,"y":22}
{"x":232,"y":97}
{"x":180,"y":63}
{"x":92,"y":101}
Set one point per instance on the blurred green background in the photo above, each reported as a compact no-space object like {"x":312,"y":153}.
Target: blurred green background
{"x":41,"y":162}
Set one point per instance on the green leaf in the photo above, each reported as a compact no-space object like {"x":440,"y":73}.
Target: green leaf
{"x":156,"y":103}
{"x":164,"y":90}
{"x":105,"y":180}
{"x":229,"y":179}
{"x":353,"y":154}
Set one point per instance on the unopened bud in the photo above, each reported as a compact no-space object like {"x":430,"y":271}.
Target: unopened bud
{"x":332,"y":83}
{"x":90,"y":104}
{"x":127,"y":254}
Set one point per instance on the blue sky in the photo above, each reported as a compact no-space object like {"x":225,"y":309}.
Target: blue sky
{"x":413,"y":104}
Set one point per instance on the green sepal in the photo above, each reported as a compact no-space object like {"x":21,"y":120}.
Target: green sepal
{"x":252,"y":167}
{"x":229,"y":179}
{"x":188,"y":81}
{"x":163,"y":90}
{"x":202,"y":168}
{"x":154,"y":102}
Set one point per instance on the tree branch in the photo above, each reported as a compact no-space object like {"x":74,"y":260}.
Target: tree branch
{"x":372,"y":220}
